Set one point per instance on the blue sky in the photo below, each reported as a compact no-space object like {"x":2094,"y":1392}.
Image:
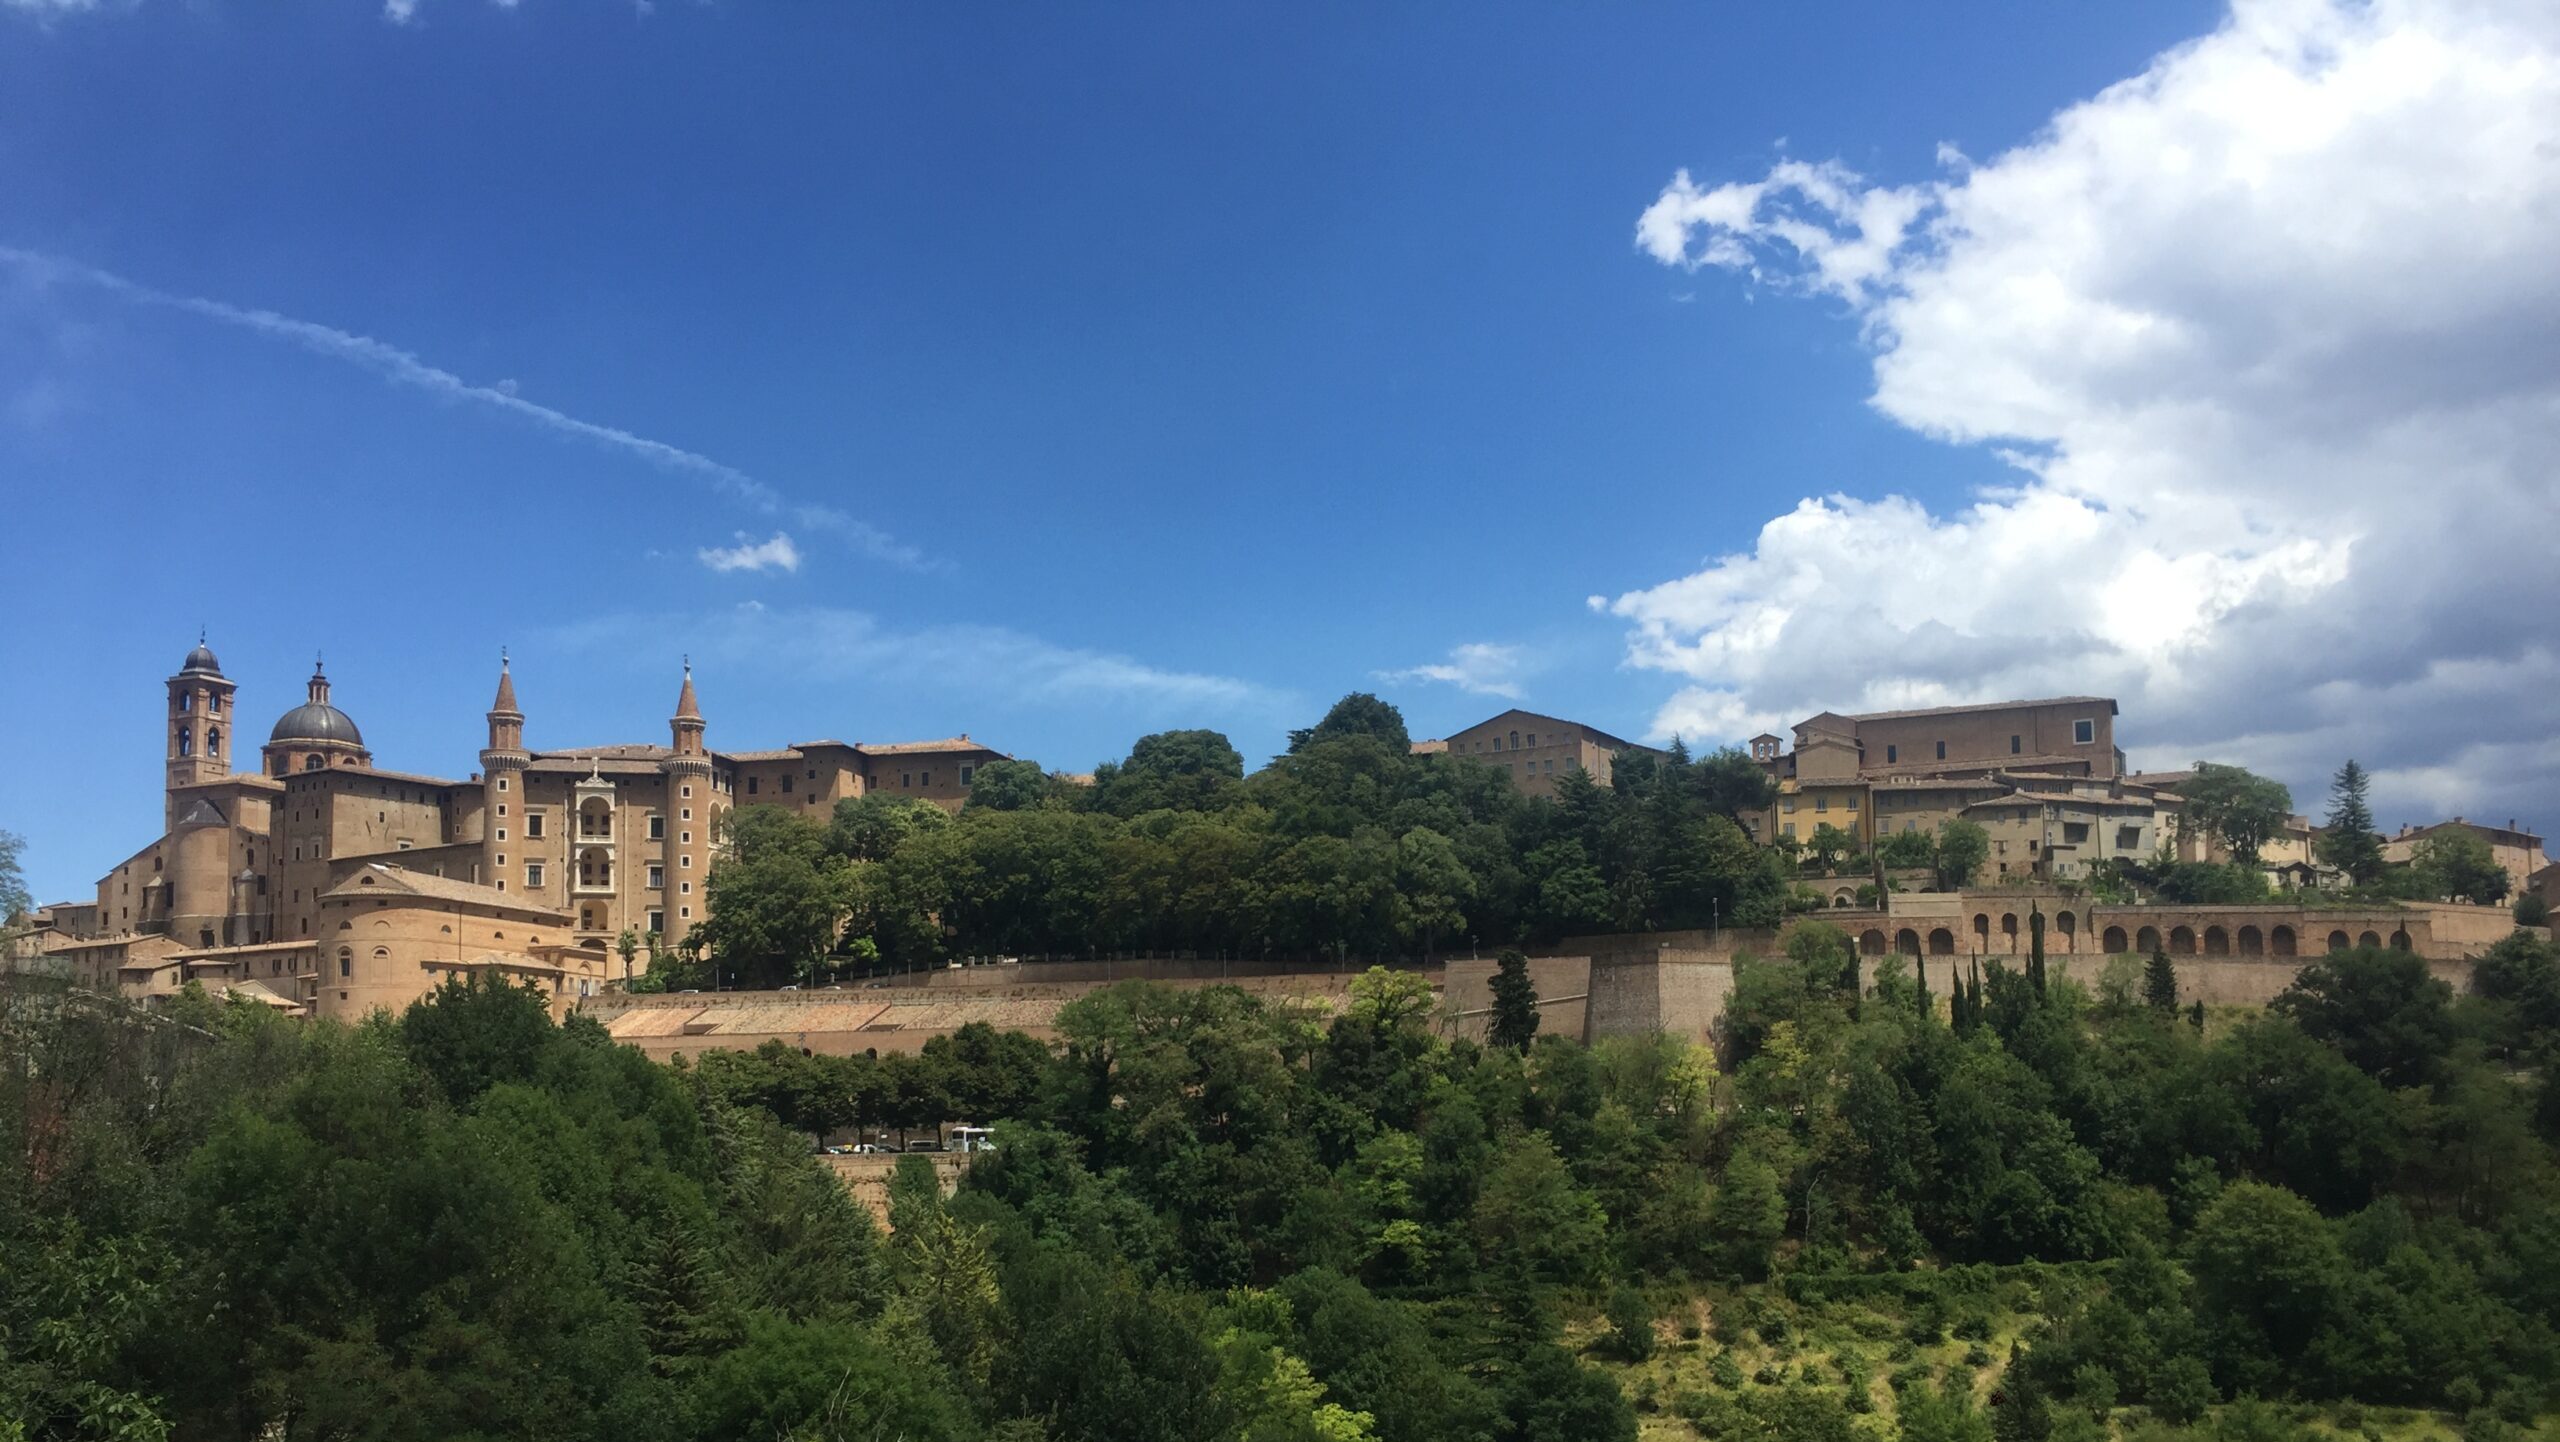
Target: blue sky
{"x":1107,"y":368}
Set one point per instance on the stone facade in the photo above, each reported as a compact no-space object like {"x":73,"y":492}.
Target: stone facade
{"x":531,"y":867}
{"x":1535,"y":750}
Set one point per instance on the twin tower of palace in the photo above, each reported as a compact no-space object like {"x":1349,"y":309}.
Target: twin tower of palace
{"x":282,"y":876}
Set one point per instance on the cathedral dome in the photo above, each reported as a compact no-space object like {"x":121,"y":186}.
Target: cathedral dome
{"x":201,"y":659}
{"x":316,"y":721}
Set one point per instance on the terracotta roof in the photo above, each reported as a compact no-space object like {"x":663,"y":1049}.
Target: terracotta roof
{"x":1429,"y":748}
{"x":687,"y":709}
{"x":627,"y":750}
{"x":410,"y":777}
{"x":2106,"y":701}
{"x":506,"y":688}
{"x":787,"y":753}
{"x":582,"y":765}
{"x":1934,"y":783}
{"x":374,"y":879}
{"x":917,"y":748}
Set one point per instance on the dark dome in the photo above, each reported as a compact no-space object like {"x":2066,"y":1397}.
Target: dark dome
{"x":316,"y":721}
{"x":201,"y":659}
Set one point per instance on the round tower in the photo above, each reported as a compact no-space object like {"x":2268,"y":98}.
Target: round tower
{"x":688,"y":824}
{"x":502,"y":764}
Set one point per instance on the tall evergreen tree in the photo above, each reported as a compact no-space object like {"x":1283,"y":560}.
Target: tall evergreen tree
{"x":1514,"y":1022}
{"x":2350,"y":843}
{"x":1920,"y":970}
{"x":2160,"y":982}
{"x":2035,"y":948}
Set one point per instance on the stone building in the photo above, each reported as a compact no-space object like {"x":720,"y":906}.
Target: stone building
{"x":2517,"y":851}
{"x":322,"y":882}
{"x":1535,"y":750}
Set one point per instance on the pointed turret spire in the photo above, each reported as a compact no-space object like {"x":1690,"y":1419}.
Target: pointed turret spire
{"x":506,"y":685}
{"x":686,"y":707}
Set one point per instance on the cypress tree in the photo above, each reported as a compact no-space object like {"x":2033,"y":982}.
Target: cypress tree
{"x":2160,"y":982}
{"x":2195,"y":1015}
{"x":1920,"y":969}
{"x":2035,"y":948}
{"x":1514,"y":1022}
{"x":2349,"y":842}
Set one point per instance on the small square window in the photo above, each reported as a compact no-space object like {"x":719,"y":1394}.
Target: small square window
{"x":688,"y":813}
{"x":2084,"y":732}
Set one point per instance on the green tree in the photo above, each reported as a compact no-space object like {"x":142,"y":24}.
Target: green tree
{"x":1008,"y":786}
{"x":1828,"y":845}
{"x":2160,"y":982}
{"x":1358,"y":714}
{"x":1908,"y":850}
{"x":1748,"y":1215}
{"x":2233,"y":807}
{"x":1513,"y":1022}
{"x":627,"y":946}
{"x":2348,"y":841}
{"x":1962,"y":848}
{"x":15,"y":900}
{"x":1170,"y":771}
{"x":2532,"y":910}
{"x":2382,"y":1009}
{"x":2269,"y":1278}
{"x":2460,"y":866}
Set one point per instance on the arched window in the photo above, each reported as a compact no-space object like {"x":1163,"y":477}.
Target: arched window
{"x":1942,"y":942}
{"x":2251,"y":943}
{"x":2280,"y":941}
{"x":314,"y":761}
{"x":2182,"y":940}
{"x":2217,"y":942}
{"x":2113,"y":942}
{"x":2147,"y":940}
{"x":346,"y":962}
{"x":2338,"y":941}
{"x":1871,"y":943}
{"x":213,"y":741}
{"x":1515,"y":740}
{"x":2369,"y":941}
{"x":186,"y":702}
{"x":186,"y":743}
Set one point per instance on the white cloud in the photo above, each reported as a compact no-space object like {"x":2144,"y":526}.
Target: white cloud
{"x":1479,"y":667}
{"x":833,"y":644}
{"x":393,"y":363}
{"x":399,"y":12}
{"x":778,"y":554}
{"x":2271,"y":333}
{"x":50,"y":9}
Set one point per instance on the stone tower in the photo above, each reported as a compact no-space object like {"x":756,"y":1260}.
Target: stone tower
{"x":502,"y":764}
{"x":688,"y":822}
{"x":199,"y":727}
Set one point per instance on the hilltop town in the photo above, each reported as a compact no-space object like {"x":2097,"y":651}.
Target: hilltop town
{"x":323,"y":884}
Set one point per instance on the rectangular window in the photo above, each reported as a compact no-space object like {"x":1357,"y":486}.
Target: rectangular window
{"x":502,"y":833}
{"x":1942,"y":750}
{"x":687,"y":813}
{"x":966,"y":772}
{"x":687,"y":788}
{"x":502,"y":808}
{"x":906,"y":778}
{"x":533,"y":876}
{"x":684,"y":911}
{"x":684,"y":838}
{"x":1822,"y":802}
{"x":1787,"y":828}
{"x":658,"y":922}
{"x":2128,"y":838}
{"x":685,"y":863}
{"x":533,"y":823}
{"x":1853,"y":800}
{"x":2075,"y":832}
{"x":928,"y":779}
{"x":2013,"y":745}
{"x":658,"y":878}
{"x":1787,"y":803}
{"x":2084,"y":732}
{"x":657,"y":828}
{"x":502,"y":783}
{"x":1892,"y":754}
{"x":786,"y":785}
{"x":752,"y":783}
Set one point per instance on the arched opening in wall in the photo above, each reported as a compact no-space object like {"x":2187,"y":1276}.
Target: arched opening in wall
{"x":2338,"y":941}
{"x":1942,"y":942}
{"x":1840,"y":899}
{"x":346,"y":962}
{"x":2217,"y":942}
{"x":186,"y":744}
{"x":314,"y":762}
{"x":595,"y":868}
{"x":2280,"y":941}
{"x":2251,"y":943}
{"x":213,"y":741}
{"x":2369,"y":941}
{"x":1907,"y":942}
{"x":1871,"y":942}
{"x":595,"y":819}
{"x":2147,"y":940}
{"x":2182,"y":940}
{"x":382,"y":953}
{"x":1981,"y":931}
{"x":2400,"y":941}
{"x":2069,"y":926}
{"x":2112,"y":942}
{"x":2009,"y":931}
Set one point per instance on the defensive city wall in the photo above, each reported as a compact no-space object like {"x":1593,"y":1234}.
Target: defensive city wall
{"x":1598,"y":986}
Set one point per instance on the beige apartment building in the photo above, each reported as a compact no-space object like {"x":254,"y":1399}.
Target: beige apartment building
{"x":323,"y":883}
{"x":1535,"y":750}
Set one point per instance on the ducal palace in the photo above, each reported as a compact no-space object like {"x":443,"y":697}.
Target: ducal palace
{"x":327,"y":885}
